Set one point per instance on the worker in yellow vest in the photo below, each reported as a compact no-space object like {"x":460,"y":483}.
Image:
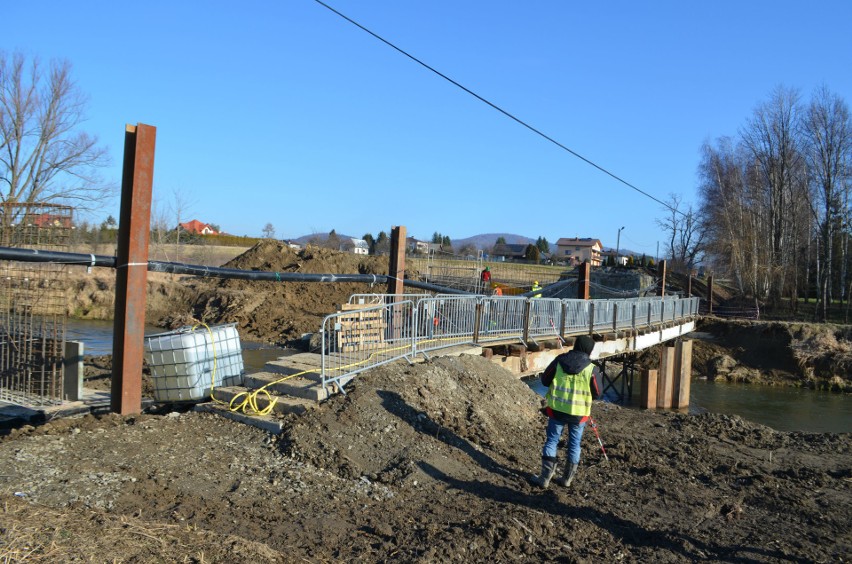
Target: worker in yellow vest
{"x":536,"y":290}
{"x":572,"y":385}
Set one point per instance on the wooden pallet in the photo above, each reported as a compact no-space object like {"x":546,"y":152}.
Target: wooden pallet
{"x":360,"y":330}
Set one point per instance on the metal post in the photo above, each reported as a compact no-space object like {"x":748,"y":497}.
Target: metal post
{"x":131,"y":275}
{"x":583,"y":281}
{"x":618,"y":247}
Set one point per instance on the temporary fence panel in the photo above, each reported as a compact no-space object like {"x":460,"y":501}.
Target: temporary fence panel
{"x":545,"y":317}
{"x":502,"y":319}
{"x":445,"y":321}
{"x":604,"y":310}
{"x":576,"y":316}
{"x":381,"y":299}
{"x":361,"y":337}
{"x":624,"y":313}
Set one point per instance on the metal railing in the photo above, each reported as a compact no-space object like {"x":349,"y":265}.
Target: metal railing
{"x":360,"y":338}
{"x":365,"y":335}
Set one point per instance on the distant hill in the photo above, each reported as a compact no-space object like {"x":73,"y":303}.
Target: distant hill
{"x":483,"y":241}
{"x":487,"y":240}
{"x":319,"y":237}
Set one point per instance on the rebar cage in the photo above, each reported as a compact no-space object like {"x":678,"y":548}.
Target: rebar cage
{"x":33,"y":305}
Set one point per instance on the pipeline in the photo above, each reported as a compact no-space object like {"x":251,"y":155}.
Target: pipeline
{"x":56,"y":257}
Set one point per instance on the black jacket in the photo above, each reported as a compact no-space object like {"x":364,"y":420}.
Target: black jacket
{"x":572,"y":362}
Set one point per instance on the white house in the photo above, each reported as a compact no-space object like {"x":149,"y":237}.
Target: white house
{"x":357,"y":246}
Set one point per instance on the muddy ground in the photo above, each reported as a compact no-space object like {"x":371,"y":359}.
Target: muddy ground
{"x":424,"y":463}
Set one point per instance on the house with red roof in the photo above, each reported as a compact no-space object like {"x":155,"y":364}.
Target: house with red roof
{"x":196,"y":227}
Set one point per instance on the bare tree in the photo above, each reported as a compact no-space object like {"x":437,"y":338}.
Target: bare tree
{"x":269,"y":231}
{"x":828,"y":141}
{"x":43,"y":156}
{"x":685,"y":232}
{"x":770,"y":137}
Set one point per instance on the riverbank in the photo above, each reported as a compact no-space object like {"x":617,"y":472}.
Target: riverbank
{"x":423,"y":463}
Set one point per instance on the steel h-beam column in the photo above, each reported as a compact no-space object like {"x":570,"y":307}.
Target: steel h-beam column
{"x":584,"y":281}
{"x":131,"y":275}
{"x":396,"y":262}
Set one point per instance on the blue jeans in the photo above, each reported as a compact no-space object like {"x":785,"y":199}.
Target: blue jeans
{"x":554,"y":432}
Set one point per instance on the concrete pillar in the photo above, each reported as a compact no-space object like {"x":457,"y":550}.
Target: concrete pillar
{"x":665,"y":379}
{"x":683,"y":373}
{"x":648,"y":392}
{"x":72,"y":384}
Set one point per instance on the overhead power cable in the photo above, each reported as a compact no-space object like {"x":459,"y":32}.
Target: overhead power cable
{"x":499,"y":109}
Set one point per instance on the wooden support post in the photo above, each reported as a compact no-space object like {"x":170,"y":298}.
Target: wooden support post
{"x":396,"y":261}
{"x":477,"y":321}
{"x":683,"y":373}
{"x":710,"y":294}
{"x":661,"y":270}
{"x":396,"y":274}
{"x":583,"y":281}
{"x":131,"y":272}
{"x":689,"y":286}
{"x":665,"y":378}
{"x":648,"y":392}
{"x":527,"y":310}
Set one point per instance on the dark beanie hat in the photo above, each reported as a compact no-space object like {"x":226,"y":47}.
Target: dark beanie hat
{"x":585,"y":344}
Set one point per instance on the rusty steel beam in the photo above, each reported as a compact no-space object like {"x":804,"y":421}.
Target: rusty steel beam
{"x":396,"y":262}
{"x":584,"y":282}
{"x":132,"y":268}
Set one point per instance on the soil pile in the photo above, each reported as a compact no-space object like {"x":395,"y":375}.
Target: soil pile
{"x":275,"y":312}
{"x":423,"y":463}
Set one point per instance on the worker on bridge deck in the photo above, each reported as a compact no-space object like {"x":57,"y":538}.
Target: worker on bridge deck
{"x":572,"y":385}
{"x":536,"y":289}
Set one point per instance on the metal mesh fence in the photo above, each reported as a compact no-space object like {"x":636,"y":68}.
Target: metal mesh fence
{"x":33,"y":305}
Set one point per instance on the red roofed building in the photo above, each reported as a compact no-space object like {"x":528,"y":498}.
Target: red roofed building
{"x":198,"y":228}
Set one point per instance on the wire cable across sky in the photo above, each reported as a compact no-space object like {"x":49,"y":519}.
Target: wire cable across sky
{"x":501,"y":110}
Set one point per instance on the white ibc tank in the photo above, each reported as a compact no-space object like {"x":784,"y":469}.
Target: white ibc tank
{"x":182,"y":361}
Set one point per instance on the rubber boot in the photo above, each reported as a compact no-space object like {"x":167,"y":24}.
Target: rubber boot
{"x":568,"y":476}
{"x":548,"y":469}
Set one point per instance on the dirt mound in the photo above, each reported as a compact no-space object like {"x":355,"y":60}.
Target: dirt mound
{"x":278,"y":312}
{"x":400,"y":416}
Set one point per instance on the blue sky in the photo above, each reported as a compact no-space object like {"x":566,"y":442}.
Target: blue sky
{"x":284,"y":113}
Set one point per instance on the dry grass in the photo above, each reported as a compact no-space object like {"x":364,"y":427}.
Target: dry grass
{"x":34,"y":533}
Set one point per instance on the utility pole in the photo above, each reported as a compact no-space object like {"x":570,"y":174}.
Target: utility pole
{"x":618,"y":246}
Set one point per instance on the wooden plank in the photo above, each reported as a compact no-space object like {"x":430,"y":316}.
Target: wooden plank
{"x":648,"y":393}
{"x":683,"y":373}
{"x":665,"y":378}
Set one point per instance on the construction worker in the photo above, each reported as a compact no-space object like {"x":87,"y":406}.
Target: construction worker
{"x":572,"y":385}
{"x":536,"y":289}
{"x":498,"y":291}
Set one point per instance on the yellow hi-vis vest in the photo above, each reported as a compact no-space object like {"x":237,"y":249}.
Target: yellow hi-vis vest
{"x":536,"y":288}
{"x":571,"y":393}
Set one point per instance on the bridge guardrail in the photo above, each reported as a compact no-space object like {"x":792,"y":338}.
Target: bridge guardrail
{"x":367,"y":335}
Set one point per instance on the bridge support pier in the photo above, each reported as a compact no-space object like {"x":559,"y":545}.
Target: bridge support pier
{"x":620,"y":386}
{"x":669,"y":387}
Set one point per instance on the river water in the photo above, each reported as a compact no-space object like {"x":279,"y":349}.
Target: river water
{"x":782,"y":408}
